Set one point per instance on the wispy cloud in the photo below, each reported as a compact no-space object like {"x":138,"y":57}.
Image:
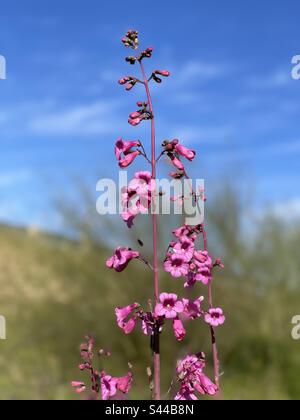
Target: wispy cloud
{"x":199,"y":71}
{"x":204,"y":134}
{"x":183,"y":87}
{"x":273,"y":150}
{"x":278,"y":79}
{"x":90,"y":119}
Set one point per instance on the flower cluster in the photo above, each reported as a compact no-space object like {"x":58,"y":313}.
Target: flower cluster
{"x":127,"y":151}
{"x":184,"y":260}
{"x":129,"y":82}
{"x":175,"y":151}
{"x":137,"y":196}
{"x":169,"y":307}
{"x":192,"y":379}
{"x":121,"y":258}
{"x":103,"y":386}
{"x":185,"y":257}
{"x":131,"y":39}
{"x":142,"y":114}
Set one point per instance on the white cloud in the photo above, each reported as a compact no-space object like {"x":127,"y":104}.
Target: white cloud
{"x":95,"y":118}
{"x":182,"y":87}
{"x":204,"y":134}
{"x":198,"y":70}
{"x":278,"y":79}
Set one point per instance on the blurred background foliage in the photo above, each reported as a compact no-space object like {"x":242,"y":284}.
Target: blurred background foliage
{"x":55,"y":290}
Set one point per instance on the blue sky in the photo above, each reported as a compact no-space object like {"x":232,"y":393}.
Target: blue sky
{"x":231,"y":95}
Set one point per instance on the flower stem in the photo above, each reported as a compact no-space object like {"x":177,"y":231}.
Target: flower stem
{"x":210,"y":300}
{"x":212,"y":330}
{"x":156,"y":344}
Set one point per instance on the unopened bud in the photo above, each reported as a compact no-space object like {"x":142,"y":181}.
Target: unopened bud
{"x":157,"y":79}
{"x":164,"y":73}
{"x":134,"y":115}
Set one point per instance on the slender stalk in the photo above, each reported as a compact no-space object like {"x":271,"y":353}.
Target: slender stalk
{"x":156,"y":340}
{"x":212,"y":330}
{"x":210,"y":301}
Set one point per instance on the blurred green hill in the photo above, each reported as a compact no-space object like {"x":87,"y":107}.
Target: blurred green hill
{"x":53,"y":291}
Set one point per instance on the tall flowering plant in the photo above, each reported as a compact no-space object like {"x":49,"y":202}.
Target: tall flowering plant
{"x":185,"y":258}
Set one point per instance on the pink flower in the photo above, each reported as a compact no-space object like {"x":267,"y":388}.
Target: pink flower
{"x":142,"y":184}
{"x":185,"y":152}
{"x":129,"y":159}
{"x":148,"y":324}
{"x":186,"y":393}
{"x":124,"y":383}
{"x":192,"y":379}
{"x":190,"y":280}
{"x":203,"y":275}
{"x":108,"y":386}
{"x":202,"y":267}
{"x":128,"y":218}
{"x":176,"y":265}
{"x":204,"y":385}
{"x":125,"y":147}
{"x":120,"y":260}
{"x":215,"y":317}
{"x":190,"y":364}
{"x":219,"y":263}
{"x":80,"y":386}
{"x":182,"y":231}
{"x":137,"y":197}
{"x":185,"y":246}
{"x":177,"y":163}
{"x":192,"y":309}
{"x":124,"y":321}
{"x":169,"y":307}
{"x":202,"y":258}
{"x":179,"y":330}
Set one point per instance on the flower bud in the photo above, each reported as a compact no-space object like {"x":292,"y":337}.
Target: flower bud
{"x":135,"y":115}
{"x":177,"y":163}
{"x":135,"y":122}
{"x":176,"y":175}
{"x":164,"y":73}
{"x":124,"y":80}
{"x":156,"y":79}
{"x":131,"y":60}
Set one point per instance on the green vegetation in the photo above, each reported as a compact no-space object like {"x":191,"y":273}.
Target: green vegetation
{"x":53,"y":291}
